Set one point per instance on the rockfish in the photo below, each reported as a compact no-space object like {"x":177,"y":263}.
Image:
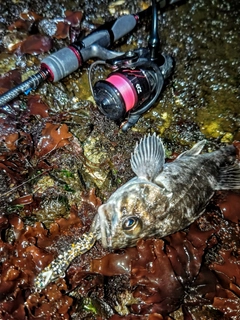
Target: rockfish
{"x":164,"y":197}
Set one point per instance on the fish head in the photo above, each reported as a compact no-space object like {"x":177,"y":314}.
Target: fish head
{"x":129,"y":214}
{"x":135,"y":210}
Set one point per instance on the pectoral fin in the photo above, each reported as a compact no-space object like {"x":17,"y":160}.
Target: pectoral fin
{"x":148,"y":157}
{"x":195,"y":150}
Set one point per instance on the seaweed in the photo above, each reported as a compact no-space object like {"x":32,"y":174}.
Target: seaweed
{"x":60,"y":158}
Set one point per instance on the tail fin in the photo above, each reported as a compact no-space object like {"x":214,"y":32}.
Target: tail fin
{"x":229,"y":177}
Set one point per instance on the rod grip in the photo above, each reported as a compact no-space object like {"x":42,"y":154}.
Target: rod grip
{"x":123,"y":26}
{"x":61,"y":63}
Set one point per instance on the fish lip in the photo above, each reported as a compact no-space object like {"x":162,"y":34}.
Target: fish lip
{"x":95,"y":226}
{"x":106,"y":235}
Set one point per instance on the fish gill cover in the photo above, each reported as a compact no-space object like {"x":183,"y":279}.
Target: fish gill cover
{"x":59,"y":157}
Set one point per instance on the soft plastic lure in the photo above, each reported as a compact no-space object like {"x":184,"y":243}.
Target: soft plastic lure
{"x":57,"y":268}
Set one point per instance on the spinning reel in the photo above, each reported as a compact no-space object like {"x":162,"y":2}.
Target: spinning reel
{"x":135,"y":82}
{"x":132,"y":87}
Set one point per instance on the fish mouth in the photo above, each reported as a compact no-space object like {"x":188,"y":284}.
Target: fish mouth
{"x":105,"y":227}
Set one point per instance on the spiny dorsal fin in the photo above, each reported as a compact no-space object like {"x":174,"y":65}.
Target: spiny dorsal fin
{"x":229,"y":178}
{"x":148,"y":157}
{"x":195,"y":150}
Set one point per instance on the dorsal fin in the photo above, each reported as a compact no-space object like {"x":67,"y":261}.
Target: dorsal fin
{"x":194,"y":151}
{"x":148,"y":157}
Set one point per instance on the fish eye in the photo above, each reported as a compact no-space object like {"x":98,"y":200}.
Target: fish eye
{"x":129,"y":223}
{"x":132,"y":225}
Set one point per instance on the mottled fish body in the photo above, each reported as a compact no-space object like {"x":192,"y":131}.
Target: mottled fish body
{"x":164,"y":197}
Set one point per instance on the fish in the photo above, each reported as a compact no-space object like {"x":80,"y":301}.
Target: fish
{"x":164,"y":198}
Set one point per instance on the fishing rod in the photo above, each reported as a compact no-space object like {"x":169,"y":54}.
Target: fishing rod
{"x":63,"y":62}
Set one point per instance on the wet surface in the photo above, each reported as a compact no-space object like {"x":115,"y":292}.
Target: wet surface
{"x":60,"y":158}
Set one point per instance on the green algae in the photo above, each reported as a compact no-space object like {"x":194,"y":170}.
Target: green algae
{"x":96,"y":155}
{"x":220,"y":118}
{"x":204,"y":89}
{"x":7,"y":62}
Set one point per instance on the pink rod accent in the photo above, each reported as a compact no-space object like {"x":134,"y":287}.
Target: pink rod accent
{"x":51,"y":74}
{"x":77,"y":54}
